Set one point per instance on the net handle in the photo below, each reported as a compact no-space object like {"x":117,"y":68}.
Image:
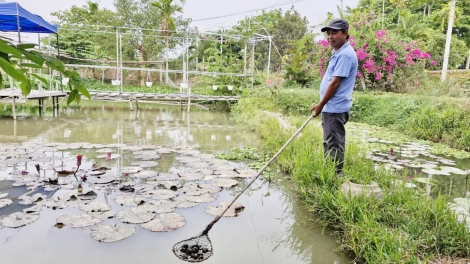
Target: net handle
{"x":209,"y":226}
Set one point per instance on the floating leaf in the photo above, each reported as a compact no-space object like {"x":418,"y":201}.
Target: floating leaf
{"x":187,"y":159}
{"x":166,"y":177}
{"x":78,"y":220}
{"x":103,"y":215}
{"x":223,"y":167}
{"x":436,"y":172}
{"x":145,"y":174}
{"x":426,"y":181}
{"x":191,"y":176}
{"x":33,"y":209}
{"x":205,"y":198}
{"x":5,"y":202}
{"x":108,"y":178}
{"x":156,"y":207}
{"x":161,"y":194}
{"x":111,"y":233}
{"x":134,"y":217}
{"x":95,"y":207}
{"x":19,"y":219}
{"x":226,"y":183}
{"x":125,"y":200}
{"x":130,"y":169}
{"x":166,"y":223}
{"x":454,"y":170}
{"x":145,"y":164}
{"x":231,"y":212}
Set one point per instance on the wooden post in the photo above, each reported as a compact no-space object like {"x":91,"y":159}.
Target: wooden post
{"x":130,"y":103}
{"x":13,"y":102}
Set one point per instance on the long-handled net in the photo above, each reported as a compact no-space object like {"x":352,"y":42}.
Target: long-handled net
{"x":199,"y":248}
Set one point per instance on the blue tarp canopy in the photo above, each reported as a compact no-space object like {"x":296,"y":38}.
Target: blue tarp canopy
{"x":28,"y":22}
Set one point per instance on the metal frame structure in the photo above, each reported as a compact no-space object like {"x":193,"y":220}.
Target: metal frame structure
{"x":185,"y":42}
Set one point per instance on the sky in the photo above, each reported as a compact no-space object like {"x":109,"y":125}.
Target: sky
{"x":314,"y":10}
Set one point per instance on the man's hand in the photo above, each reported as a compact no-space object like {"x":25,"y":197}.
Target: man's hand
{"x":316,"y":109}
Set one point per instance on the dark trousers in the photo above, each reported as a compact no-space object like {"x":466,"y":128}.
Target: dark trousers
{"x":334,"y":135}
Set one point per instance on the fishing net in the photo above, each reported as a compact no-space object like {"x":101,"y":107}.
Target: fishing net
{"x":195,"y":249}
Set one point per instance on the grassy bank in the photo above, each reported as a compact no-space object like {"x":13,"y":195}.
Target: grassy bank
{"x":404,"y":227}
{"x":439,"y":119}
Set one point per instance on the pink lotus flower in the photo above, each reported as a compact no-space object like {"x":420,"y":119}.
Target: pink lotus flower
{"x":79,"y":160}
{"x":108,"y":157}
{"x":434,"y":62}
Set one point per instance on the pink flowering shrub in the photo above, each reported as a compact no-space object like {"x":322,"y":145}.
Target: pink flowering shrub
{"x":386,"y":62}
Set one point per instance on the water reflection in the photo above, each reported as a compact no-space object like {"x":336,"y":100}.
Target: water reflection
{"x":271,"y":229}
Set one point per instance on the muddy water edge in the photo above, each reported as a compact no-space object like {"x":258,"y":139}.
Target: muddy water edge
{"x":271,"y":229}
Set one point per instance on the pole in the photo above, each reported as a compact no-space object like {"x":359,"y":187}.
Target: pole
{"x":117,"y":53}
{"x":383,"y":13}
{"x":269,"y":53}
{"x":120,"y":57}
{"x":448,"y":40}
{"x":58,"y":57}
{"x":49,"y":52}
{"x":253,"y":66}
{"x":244,"y":58}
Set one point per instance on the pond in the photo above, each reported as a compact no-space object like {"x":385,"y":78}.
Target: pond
{"x":163,"y":157}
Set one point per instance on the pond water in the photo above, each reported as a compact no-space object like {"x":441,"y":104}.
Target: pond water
{"x":272,"y":228}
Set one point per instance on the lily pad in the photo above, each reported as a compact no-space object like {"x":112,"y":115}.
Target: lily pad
{"x":231,"y":212}
{"x":108,"y":178}
{"x":223,"y":167}
{"x":226,"y":183}
{"x":78,"y":220}
{"x":104,"y":156}
{"x":205,"y":198}
{"x":111,"y":233}
{"x":426,"y":181}
{"x":5,"y":202}
{"x":130,"y":170}
{"x":187,"y":159}
{"x":19,"y":219}
{"x":166,"y":223}
{"x":33,"y":209}
{"x":147,"y":157}
{"x":191,"y":176}
{"x":103,"y":215}
{"x":156,"y":207}
{"x":454,"y":170}
{"x":134,"y":217}
{"x":166,"y":177}
{"x":436,"y":172}
{"x":161,"y":194}
{"x":3,"y":195}
{"x":95,"y":207}
{"x":145,"y":164}
{"x":125,"y":200}
{"x":145,"y":174}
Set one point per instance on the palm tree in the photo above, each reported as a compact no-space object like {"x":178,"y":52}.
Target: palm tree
{"x":167,"y":9}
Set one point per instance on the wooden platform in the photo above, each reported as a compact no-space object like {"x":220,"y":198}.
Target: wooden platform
{"x":112,"y":96}
{"x":34,"y":95}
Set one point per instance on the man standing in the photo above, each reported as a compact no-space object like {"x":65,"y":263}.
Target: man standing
{"x":336,"y":91}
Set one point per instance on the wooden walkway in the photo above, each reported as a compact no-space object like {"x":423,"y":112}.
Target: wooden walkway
{"x":112,"y":96}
